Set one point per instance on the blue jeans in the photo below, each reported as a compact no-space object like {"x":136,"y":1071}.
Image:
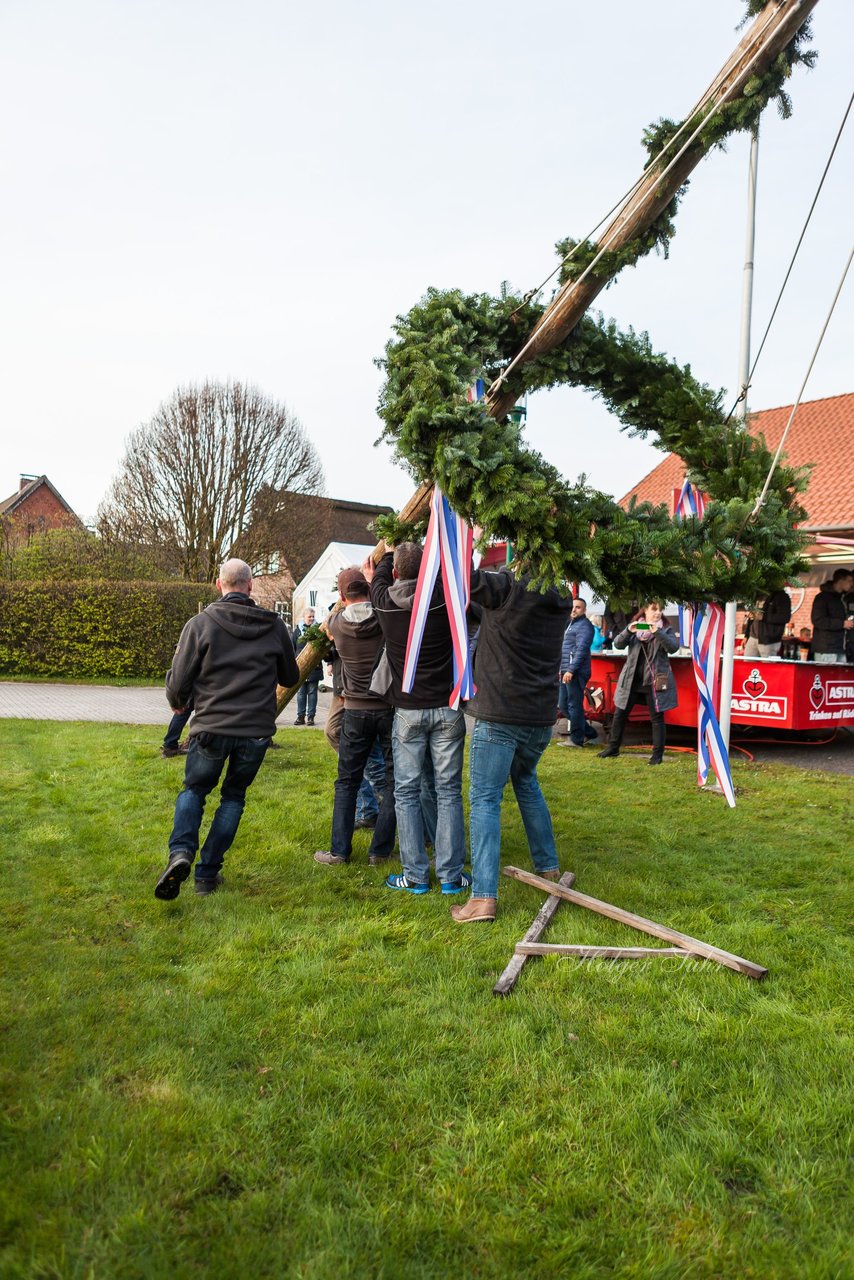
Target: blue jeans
{"x":440,"y":734}
{"x":307,"y":700}
{"x":176,"y":726}
{"x":428,"y":802}
{"x":499,"y":752}
{"x":203,"y":767}
{"x":571,"y":702}
{"x":360,"y":731}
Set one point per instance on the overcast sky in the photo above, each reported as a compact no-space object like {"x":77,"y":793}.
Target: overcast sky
{"x":198,"y":189}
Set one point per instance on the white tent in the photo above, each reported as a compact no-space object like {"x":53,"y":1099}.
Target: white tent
{"x":319,"y":589}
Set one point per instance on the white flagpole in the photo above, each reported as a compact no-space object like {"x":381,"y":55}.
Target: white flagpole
{"x":728,"y":656}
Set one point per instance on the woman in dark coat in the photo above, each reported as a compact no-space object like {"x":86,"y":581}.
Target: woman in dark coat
{"x":646,"y":675}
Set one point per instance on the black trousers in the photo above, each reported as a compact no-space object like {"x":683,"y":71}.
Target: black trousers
{"x":621,"y":715}
{"x":359,"y":731}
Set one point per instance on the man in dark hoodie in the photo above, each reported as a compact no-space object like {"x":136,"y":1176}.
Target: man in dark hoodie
{"x":358,"y":639}
{"x":228,"y":661}
{"x":425,"y":726}
{"x":516,"y":673}
{"x":830,"y":622}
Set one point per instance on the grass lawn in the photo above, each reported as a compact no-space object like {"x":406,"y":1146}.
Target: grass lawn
{"x":307,"y":1075}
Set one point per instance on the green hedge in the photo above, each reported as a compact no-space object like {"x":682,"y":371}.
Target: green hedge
{"x":94,"y":628}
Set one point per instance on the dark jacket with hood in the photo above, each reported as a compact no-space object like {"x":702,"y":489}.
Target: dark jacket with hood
{"x":392,"y":600}
{"x":518,"y":649}
{"x":653,"y":654}
{"x":828,"y":617}
{"x":772,"y":617}
{"x":228,"y":661}
{"x":358,"y":640}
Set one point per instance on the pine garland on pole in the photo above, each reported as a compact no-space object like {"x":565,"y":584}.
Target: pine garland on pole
{"x":568,"y":532}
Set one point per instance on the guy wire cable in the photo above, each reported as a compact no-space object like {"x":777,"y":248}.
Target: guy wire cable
{"x":745,"y":389}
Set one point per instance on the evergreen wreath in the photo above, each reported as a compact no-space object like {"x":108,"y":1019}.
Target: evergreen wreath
{"x":563,"y":532}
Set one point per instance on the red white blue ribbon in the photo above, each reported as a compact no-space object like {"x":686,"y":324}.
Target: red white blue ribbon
{"x":706,"y":641}
{"x":448,"y":546}
{"x":701,"y":629}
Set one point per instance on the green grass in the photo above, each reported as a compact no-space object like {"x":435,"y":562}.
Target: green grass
{"x":306,"y":1075}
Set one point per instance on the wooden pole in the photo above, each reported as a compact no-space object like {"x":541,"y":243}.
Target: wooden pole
{"x":524,"y":949}
{"x":662,"y":931}
{"x":507,"y":981}
{"x":771,"y":31}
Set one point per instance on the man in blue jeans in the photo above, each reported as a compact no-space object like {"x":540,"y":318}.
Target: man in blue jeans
{"x":516,"y":673}
{"x":424,"y":727}
{"x":227,"y":664}
{"x":575,"y":672}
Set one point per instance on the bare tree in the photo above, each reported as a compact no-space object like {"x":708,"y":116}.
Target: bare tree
{"x":190,"y":476}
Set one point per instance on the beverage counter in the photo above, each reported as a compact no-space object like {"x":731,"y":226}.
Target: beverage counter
{"x":766,"y":692}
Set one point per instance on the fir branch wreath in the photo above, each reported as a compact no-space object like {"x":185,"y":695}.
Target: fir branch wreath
{"x":561,"y":531}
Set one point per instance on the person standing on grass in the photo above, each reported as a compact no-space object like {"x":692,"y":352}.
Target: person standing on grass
{"x":646,"y":675}
{"x":516,"y":673}
{"x":368,"y":799}
{"x":358,"y":639}
{"x":425,"y":726}
{"x":574,"y":674}
{"x":307,"y":692}
{"x":227,"y":664}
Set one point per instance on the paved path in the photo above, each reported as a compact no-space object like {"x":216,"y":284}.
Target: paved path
{"x":100,"y":702}
{"x":105,"y":703}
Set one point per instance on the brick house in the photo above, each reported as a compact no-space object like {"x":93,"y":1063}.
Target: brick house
{"x":822,"y":433}
{"x":36,"y":507}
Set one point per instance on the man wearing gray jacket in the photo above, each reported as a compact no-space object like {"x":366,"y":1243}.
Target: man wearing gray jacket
{"x":228,"y":661}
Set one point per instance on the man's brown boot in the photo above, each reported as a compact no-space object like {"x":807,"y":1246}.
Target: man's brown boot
{"x":549,"y":875}
{"x":475,"y":909}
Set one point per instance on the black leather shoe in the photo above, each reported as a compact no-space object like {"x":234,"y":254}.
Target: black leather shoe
{"x":204,"y":887}
{"x":655,"y":760}
{"x":177,"y":870}
{"x":609,"y":752}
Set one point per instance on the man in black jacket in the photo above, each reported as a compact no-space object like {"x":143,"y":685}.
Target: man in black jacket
{"x":228,"y":661}
{"x":516,"y":673}
{"x":767,"y":625}
{"x":831,"y":624}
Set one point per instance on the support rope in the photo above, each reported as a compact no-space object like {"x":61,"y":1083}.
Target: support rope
{"x":760,"y":500}
{"x":746,"y":387}
{"x":505,"y":373}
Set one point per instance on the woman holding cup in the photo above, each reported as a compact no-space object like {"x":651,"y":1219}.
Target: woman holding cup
{"x":646,"y":676}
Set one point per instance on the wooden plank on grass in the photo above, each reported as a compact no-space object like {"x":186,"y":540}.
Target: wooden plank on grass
{"x":595,"y":953}
{"x":662,"y":931}
{"x":507,"y":981}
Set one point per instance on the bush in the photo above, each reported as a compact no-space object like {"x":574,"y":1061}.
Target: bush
{"x":88,"y":629}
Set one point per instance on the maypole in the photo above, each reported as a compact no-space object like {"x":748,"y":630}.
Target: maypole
{"x":769,"y":34}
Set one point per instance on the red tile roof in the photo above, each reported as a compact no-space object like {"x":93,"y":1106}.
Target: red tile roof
{"x":822,"y":432}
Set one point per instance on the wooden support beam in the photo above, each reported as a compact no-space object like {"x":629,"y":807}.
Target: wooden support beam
{"x":507,"y":981}
{"x":595,"y":953}
{"x":662,"y":931}
{"x":771,"y":31}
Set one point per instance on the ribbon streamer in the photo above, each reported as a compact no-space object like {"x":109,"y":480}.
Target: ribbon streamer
{"x":701,"y":631}
{"x":448,"y":546}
